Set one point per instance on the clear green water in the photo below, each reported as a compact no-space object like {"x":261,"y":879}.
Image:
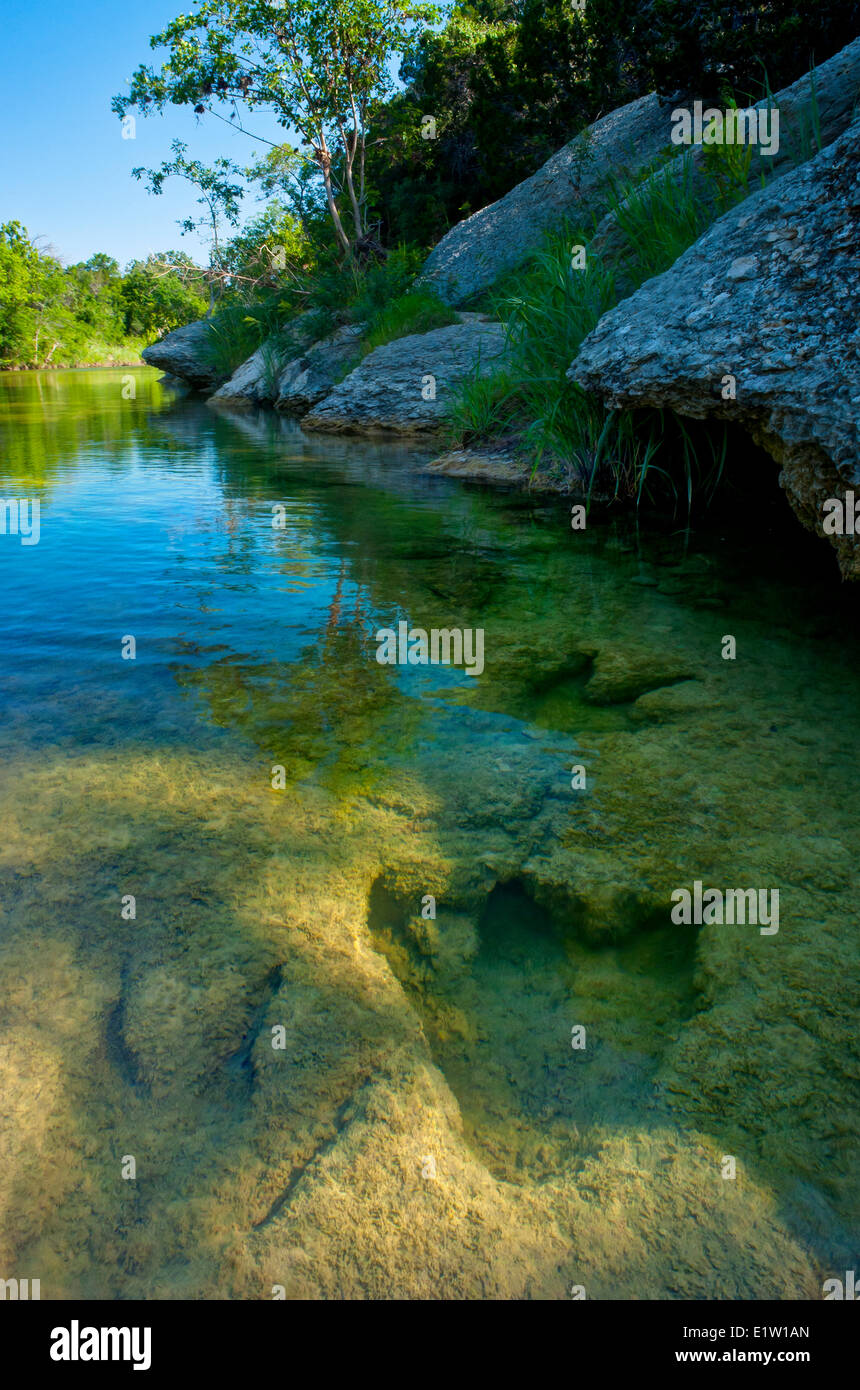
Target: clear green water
{"x":405,"y":1039}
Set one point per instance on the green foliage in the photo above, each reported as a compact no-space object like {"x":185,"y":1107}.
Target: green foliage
{"x":160,"y":294}
{"x":356,"y":291}
{"x":24,"y":287}
{"x":661,"y":217}
{"x":52,"y":315}
{"x":234,"y":335}
{"x":509,"y":83}
{"x":701,"y":47}
{"x":374,"y":285}
{"x":271,"y":250}
{"x":220,"y":196}
{"x":240,"y":327}
{"x":417,"y":311}
{"x":549,"y":308}
{"x":318,"y":65}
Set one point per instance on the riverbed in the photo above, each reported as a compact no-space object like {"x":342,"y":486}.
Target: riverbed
{"x":324,"y":977}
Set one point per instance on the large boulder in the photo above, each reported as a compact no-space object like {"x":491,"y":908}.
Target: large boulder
{"x":762,"y":308}
{"x":186,"y":353}
{"x":253,"y":383}
{"x":406,"y":385}
{"x":813,"y":112}
{"x":309,"y":378}
{"x":257,"y":381}
{"x":574,"y":183}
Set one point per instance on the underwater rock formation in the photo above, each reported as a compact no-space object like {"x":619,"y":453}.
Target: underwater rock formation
{"x":329,"y":1090}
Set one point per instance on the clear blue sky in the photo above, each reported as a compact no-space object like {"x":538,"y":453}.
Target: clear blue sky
{"x":64,"y":167}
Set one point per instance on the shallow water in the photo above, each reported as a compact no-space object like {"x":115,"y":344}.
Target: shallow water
{"x":323,"y":1090}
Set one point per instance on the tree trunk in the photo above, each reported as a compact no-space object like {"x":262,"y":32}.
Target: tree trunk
{"x":324,"y":161}
{"x":350,"y":188}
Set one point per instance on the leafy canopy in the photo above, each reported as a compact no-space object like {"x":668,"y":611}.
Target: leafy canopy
{"x":317,"y":64}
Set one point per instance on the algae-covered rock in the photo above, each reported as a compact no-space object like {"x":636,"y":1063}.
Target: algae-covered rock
{"x":328,"y":1091}
{"x":623,"y":674}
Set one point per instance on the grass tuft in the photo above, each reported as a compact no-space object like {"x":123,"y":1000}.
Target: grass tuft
{"x":550,"y":307}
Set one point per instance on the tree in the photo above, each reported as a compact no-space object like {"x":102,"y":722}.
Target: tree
{"x":269,"y":245}
{"x":317,"y":64}
{"x":32,"y":292}
{"x":159,"y":294}
{"x":92,"y":294}
{"x":19,"y":269}
{"x":219,"y":197}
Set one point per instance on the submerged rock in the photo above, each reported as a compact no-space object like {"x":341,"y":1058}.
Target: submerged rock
{"x":757,"y":323}
{"x":186,"y":353}
{"x":624,"y":674}
{"x":502,"y":466}
{"x":573,"y":183}
{"x":405,"y":386}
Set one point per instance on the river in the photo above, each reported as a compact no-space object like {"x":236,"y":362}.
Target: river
{"x":321,"y":977}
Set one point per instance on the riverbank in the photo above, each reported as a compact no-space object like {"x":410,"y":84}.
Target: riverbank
{"x":608,"y":332}
{"x":105,"y":361}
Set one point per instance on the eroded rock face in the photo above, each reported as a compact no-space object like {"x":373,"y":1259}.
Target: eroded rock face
{"x":258,"y":380}
{"x":572,"y":183}
{"x":406,"y":385}
{"x":308,"y":379}
{"x":184,"y":353}
{"x":762,"y":308}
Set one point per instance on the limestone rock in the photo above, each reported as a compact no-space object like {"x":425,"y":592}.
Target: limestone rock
{"x":625,"y":674}
{"x":822,"y":106}
{"x":767,"y":297}
{"x":258,"y":380}
{"x":405,"y":385}
{"x":572,"y":183}
{"x":185,"y":353}
{"x":309,"y":378}
{"x":251,"y":384}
